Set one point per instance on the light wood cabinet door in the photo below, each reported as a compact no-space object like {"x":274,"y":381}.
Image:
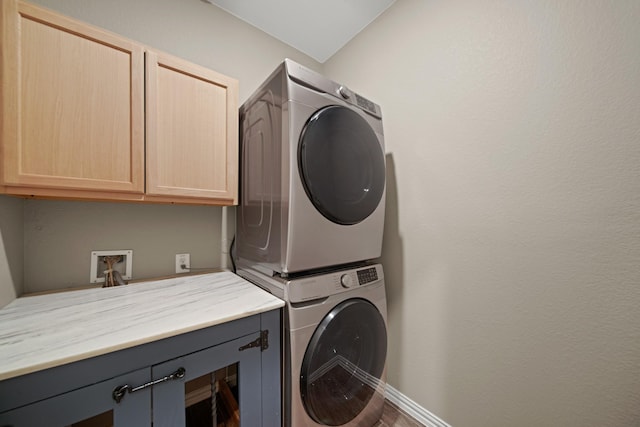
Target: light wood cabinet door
{"x":73,"y":104}
{"x":192,"y":131}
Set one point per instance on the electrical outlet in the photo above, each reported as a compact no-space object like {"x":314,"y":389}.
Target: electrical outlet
{"x":183,"y":263}
{"x":98,"y":264}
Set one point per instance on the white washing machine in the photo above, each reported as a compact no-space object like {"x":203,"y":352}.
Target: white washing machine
{"x":335,"y":346}
{"x":312,"y":175}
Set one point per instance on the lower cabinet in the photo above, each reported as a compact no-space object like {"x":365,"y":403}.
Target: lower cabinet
{"x":233,"y":383}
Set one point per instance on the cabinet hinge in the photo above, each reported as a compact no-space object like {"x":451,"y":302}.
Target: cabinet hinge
{"x":262,"y":341}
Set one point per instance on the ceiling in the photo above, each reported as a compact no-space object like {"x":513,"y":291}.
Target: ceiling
{"x":318,"y":28}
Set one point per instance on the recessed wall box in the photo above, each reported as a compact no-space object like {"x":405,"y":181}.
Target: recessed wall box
{"x":98,"y":264}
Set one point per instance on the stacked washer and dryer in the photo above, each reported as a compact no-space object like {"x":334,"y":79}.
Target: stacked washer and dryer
{"x":309,"y":224}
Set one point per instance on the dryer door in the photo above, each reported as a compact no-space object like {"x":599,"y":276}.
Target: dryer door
{"x":344,"y":362}
{"x":341,"y":165}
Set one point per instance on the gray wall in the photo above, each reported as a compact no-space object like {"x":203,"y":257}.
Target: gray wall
{"x":11,"y":249}
{"x":59,"y":235}
{"x":512,"y":242}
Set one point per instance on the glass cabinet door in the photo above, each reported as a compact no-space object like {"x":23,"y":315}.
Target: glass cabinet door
{"x":91,"y":406}
{"x":221,"y":387}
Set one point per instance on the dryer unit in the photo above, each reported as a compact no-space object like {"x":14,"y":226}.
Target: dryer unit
{"x":312,"y":174}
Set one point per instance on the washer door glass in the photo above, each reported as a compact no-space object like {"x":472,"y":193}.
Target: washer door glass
{"x":343,"y":364}
{"x":341,"y":165}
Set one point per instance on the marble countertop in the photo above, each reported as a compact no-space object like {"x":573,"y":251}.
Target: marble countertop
{"x":39,"y":332}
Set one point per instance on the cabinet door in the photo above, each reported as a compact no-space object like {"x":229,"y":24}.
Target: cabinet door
{"x":91,"y":406}
{"x":192,"y":131}
{"x":204,"y":397}
{"x":72,"y":102}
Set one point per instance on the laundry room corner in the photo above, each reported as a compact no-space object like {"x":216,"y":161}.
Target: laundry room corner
{"x":393,"y":261}
{"x":11,"y":249}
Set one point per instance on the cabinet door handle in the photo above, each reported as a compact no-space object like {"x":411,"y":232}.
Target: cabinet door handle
{"x":120,"y":391}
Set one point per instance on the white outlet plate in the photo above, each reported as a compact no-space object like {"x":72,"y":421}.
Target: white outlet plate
{"x":124,"y":267}
{"x":183,"y":259}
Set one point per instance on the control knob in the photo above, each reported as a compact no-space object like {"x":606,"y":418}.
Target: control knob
{"x":344,"y":92}
{"x":346,"y":281}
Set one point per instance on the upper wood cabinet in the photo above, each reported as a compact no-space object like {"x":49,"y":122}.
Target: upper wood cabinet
{"x":192,"y":130}
{"x":73,"y":116}
{"x":72,"y":104}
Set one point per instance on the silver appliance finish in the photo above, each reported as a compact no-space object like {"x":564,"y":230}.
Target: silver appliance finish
{"x":310,"y":302}
{"x":280,"y":230}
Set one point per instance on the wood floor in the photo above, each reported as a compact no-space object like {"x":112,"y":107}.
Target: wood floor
{"x":393,"y":417}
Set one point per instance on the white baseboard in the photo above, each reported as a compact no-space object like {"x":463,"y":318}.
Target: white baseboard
{"x":413,"y":409}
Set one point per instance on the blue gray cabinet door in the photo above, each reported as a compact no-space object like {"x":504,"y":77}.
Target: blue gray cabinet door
{"x":88,"y":406}
{"x":200,"y":371}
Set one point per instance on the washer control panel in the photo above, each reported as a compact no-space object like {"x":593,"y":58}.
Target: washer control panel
{"x":323,"y":285}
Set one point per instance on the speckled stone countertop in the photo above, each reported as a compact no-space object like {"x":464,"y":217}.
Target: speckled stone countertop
{"x":39,"y":332}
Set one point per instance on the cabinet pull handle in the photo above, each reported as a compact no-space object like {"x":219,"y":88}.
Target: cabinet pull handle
{"x":120,"y":391}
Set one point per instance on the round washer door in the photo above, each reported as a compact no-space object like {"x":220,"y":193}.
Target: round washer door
{"x":341,"y":165}
{"x":343,"y":363}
